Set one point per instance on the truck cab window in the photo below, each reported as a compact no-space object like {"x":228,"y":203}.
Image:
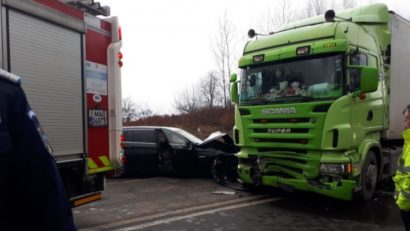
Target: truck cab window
{"x":314,"y":78}
{"x":358,"y":58}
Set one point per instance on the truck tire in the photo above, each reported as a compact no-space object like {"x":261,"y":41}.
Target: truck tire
{"x":368,"y":177}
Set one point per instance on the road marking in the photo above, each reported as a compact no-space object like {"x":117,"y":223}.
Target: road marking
{"x":211,"y":211}
{"x":177,"y":212}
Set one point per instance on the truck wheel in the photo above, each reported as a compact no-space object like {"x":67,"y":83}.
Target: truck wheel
{"x":368,"y":177}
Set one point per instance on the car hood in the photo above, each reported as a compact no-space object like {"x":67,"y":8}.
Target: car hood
{"x":215,"y":136}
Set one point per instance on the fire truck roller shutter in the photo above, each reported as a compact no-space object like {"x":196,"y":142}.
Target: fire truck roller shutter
{"x":48,"y":57}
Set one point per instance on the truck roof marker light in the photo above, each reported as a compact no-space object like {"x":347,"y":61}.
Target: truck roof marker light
{"x":305,"y":50}
{"x":258,"y":58}
{"x":328,"y":45}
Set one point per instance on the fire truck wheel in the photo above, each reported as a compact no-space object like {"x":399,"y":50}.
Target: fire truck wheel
{"x":368,"y":177}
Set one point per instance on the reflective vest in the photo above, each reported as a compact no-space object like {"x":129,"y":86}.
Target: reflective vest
{"x":402,"y":177}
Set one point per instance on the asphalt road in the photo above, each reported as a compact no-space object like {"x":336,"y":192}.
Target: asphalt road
{"x":162,"y":203}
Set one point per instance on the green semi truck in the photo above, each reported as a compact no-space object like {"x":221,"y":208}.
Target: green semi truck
{"x":319,"y":103}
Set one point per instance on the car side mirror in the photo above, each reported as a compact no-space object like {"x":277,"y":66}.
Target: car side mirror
{"x":234,"y":88}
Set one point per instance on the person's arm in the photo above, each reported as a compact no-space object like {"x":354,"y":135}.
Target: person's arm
{"x":39,"y":185}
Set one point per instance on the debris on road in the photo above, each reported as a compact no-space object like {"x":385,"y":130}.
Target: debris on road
{"x":225,"y":193}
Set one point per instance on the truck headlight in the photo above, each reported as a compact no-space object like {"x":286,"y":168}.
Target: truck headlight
{"x":332,"y":168}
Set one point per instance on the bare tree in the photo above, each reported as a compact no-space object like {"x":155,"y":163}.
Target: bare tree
{"x":315,"y":7}
{"x":347,"y":4}
{"x":308,"y":10}
{"x":284,"y":13}
{"x":224,"y":55}
{"x":129,"y":110}
{"x":209,"y":89}
{"x":267,"y":23}
{"x":187,"y":101}
{"x":143,"y":111}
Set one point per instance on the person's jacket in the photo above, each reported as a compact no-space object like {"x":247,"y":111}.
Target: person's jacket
{"x":32,"y":195}
{"x":402,"y":177}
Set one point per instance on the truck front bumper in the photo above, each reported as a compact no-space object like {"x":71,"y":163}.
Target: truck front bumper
{"x":340,"y":189}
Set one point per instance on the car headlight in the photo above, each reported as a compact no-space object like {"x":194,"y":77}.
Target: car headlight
{"x":332,"y":168}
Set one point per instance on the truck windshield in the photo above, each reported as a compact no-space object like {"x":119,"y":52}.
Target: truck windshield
{"x":294,"y":81}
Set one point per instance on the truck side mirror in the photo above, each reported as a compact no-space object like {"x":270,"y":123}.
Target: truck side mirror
{"x":234,"y":88}
{"x":363,"y":79}
{"x":369,"y":78}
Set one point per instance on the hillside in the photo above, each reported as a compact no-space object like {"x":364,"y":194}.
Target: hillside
{"x":201,"y":123}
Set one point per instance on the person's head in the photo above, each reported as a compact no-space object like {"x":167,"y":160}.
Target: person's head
{"x":406,"y":113}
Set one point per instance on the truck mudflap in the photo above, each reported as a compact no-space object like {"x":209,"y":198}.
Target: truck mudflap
{"x":342,"y":189}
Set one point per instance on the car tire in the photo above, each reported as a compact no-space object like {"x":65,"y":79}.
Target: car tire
{"x":223,"y":169}
{"x":117,"y":173}
{"x":216,"y":168}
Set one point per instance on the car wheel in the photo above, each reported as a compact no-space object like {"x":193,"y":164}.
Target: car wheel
{"x":223,"y":169}
{"x":368,"y":177}
{"x":117,"y":173}
{"x":216,"y":170}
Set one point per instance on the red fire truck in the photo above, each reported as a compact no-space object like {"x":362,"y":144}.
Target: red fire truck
{"x":69,"y":61}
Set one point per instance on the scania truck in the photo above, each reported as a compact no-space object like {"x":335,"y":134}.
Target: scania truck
{"x":69,"y":63}
{"x":319,"y":103}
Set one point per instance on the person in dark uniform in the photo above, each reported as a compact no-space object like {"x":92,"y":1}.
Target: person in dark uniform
{"x":32,"y":196}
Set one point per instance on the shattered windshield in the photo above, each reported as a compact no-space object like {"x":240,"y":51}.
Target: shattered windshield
{"x":300,"y":80}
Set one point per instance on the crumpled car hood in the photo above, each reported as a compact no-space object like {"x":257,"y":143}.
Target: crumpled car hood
{"x":213,"y":140}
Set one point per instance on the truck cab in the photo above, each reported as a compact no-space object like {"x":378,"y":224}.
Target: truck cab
{"x":314,"y":104}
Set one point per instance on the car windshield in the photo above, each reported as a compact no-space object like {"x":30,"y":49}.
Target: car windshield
{"x":301,"y":80}
{"x":187,"y":135}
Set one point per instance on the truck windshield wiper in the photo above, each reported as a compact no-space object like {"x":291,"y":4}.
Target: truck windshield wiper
{"x":294,"y":98}
{"x":260,"y":101}
{"x":281,"y":99}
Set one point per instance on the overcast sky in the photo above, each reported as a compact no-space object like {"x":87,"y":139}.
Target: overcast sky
{"x":167,"y":44}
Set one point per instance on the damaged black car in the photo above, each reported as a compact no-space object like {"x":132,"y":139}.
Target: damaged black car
{"x":150,"y":151}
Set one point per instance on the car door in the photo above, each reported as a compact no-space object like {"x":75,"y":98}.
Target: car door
{"x":183,"y":155}
{"x":141,"y":152}
{"x":165,"y":152}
